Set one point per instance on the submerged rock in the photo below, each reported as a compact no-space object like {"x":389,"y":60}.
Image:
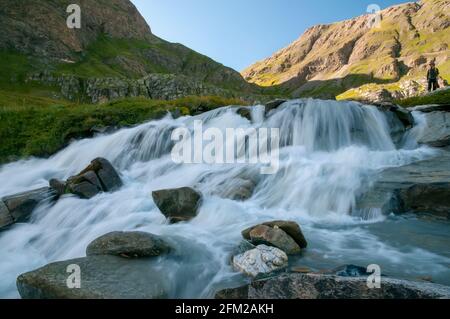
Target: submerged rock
{"x":261,"y":260}
{"x":289,"y":227}
{"x":178,"y":205}
{"x":319,"y":286}
{"x":129,"y":245}
{"x":101,"y":277}
{"x":19,"y":207}
{"x":240,"y":189}
{"x":275,"y":237}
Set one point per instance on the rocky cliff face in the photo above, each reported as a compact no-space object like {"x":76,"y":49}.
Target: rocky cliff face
{"x":114,"y":45}
{"x":330,"y":59}
{"x":153,"y":86}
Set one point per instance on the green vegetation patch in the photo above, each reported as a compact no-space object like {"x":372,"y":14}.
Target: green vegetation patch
{"x":102,"y":58}
{"x":33,"y":126}
{"x":14,"y":67}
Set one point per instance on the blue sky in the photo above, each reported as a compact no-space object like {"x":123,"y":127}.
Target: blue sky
{"x":238,"y":33}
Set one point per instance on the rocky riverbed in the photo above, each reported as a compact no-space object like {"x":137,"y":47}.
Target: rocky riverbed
{"x":360,"y":185}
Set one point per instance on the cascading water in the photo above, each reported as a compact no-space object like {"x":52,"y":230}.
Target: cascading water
{"x":329,"y":151}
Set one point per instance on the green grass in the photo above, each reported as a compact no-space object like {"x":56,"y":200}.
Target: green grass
{"x":14,"y":67}
{"x":131,"y":58}
{"x":442,"y":98}
{"x":99,"y":59}
{"x":38,"y":126}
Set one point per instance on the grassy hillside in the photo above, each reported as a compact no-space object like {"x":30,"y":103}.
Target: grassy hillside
{"x":133,"y":58}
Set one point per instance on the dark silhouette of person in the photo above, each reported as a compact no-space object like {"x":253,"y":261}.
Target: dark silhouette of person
{"x":432,"y":77}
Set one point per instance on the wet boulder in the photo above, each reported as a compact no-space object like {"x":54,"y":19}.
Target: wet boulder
{"x":399,"y":120}
{"x":274,"y":236}
{"x":427,"y":198}
{"x":261,"y":260}
{"x":107,"y":175}
{"x":403,"y":115}
{"x":58,"y":186}
{"x":101,"y":277}
{"x":320,"y":286}
{"x":437,"y":130}
{"x":128,"y":245}
{"x":99,"y":176}
{"x":272,"y":105}
{"x":85,"y":186}
{"x":178,"y":205}
{"x":19,"y":207}
{"x":5,"y":216}
{"x":422,"y":188}
{"x":289,"y":227}
{"x":245,"y":113}
{"x":240,"y":189}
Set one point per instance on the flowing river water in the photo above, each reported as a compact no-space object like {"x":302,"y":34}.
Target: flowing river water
{"x":329,"y":151}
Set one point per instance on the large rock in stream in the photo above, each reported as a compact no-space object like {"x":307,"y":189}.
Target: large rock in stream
{"x":261,"y":260}
{"x":320,"y":286}
{"x":101,"y":277}
{"x":289,"y":227}
{"x":273,"y":105}
{"x":276,"y":237}
{"x":437,"y":129}
{"x":178,"y":205}
{"x":99,"y":176}
{"x":19,"y":207}
{"x":240,"y":189}
{"x":245,"y":112}
{"x":422,"y":187}
{"x":118,"y":266}
{"x":128,"y":245}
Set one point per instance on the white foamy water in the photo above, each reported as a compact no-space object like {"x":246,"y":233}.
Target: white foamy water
{"x":329,"y":151}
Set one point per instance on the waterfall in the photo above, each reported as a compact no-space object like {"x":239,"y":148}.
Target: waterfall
{"x":329,"y":151}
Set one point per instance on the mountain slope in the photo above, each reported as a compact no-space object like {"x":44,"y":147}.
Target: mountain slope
{"x":330,"y":59}
{"x":114,"y":42}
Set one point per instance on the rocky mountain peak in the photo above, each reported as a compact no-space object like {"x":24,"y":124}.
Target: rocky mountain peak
{"x":350,"y":53}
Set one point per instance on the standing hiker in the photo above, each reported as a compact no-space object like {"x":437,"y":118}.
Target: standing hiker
{"x":432,"y":77}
